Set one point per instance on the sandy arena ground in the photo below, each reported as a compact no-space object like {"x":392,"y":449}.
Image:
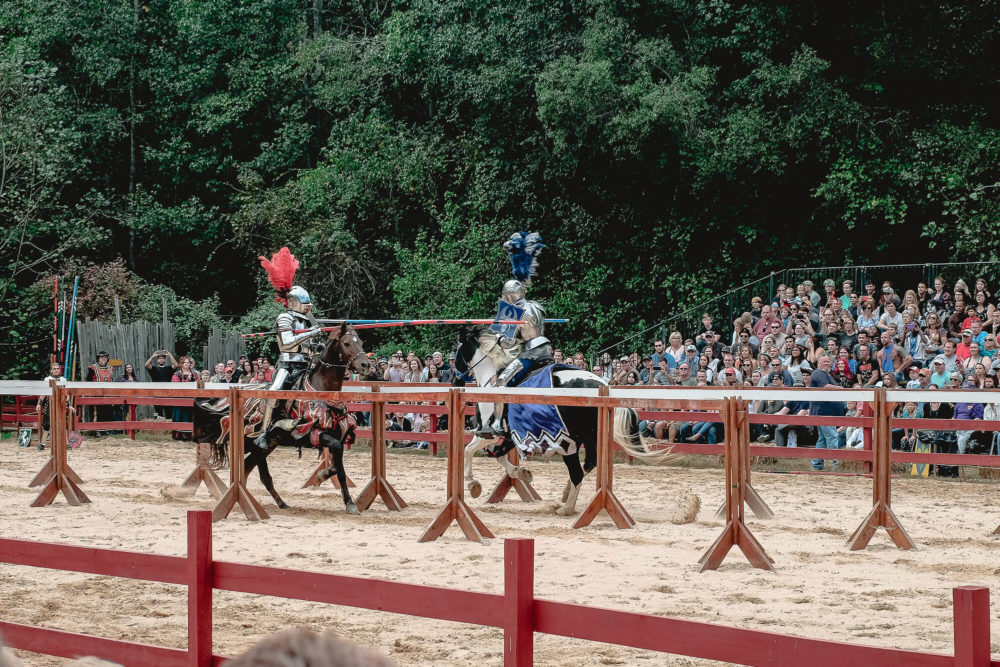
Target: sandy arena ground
{"x":879,"y":596}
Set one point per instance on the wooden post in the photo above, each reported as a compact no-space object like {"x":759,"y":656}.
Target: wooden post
{"x":378,"y":486}
{"x":972,"y":626}
{"x":506,"y":483}
{"x":203,"y":472}
{"x":519,"y":603}
{"x":866,"y":411}
{"x":434,"y":429}
{"x":456,"y":509}
{"x":881,"y":514}
{"x":131,"y":418}
{"x":753,"y":499}
{"x":325,"y":461}
{"x":199,"y":581}
{"x":736,"y":532}
{"x":237,"y":492}
{"x":56,"y":474}
{"x":605,"y":498}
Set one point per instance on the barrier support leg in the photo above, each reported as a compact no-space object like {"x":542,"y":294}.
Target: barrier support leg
{"x":605,"y":499}
{"x":753,"y":500}
{"x":325,"y":461}
{"x":56,"y":474}
{"x":506,"y":483}
{"x":203,"y":473}
{"x":456,"y":509}
{"x":237,"y":493}
{"x":736,"y":533}
{"x":881,"y":514}
{"x":379,"y":486}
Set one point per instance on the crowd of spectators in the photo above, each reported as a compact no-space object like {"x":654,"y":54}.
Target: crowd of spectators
{"x":867,"y":336}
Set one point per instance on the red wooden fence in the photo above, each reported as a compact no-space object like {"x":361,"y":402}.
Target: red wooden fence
{"x":517,"y":611}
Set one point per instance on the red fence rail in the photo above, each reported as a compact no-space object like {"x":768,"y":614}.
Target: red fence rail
{"x":516,"y":611}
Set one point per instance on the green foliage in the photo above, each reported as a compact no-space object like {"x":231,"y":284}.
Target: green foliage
{"x":665,"y":150}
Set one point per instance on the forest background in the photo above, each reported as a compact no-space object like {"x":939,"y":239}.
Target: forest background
{"x":666,"y":150}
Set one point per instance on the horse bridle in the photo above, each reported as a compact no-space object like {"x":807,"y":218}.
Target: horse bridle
{"x":324,"y":364}
{"x":486,"y":355}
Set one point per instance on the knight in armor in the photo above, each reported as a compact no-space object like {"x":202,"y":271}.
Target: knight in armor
{"x":526,"y":342}
{"x":529,"y":338}
{"x":295,"y":328}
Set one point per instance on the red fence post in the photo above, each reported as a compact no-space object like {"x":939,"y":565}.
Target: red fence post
{"x":972,"y":626}
{"x":199,"y":571}
{"x":519,"y":602}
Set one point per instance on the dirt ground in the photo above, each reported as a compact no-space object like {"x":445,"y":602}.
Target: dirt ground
{"x":880,"y":596}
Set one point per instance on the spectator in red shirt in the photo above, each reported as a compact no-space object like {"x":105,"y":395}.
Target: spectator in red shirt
{"x":962,"y":350}
{"x":763,"y":325}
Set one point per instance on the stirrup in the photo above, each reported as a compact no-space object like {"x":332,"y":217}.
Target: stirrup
{"x":260,"y":442}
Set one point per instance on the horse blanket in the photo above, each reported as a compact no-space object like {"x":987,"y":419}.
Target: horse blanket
{"x":315,"y":417}
{"x":539,"y":429}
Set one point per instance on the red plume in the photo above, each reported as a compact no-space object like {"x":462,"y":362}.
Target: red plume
{"x":281,"y":272}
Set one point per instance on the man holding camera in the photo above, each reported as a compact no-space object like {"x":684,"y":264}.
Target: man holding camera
{"x":396,"y":369}
{"x":160,"y":371}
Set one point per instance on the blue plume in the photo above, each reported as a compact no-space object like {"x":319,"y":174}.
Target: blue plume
{"x":523,"y":250}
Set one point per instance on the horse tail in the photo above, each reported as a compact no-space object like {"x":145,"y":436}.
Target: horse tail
{"x":627,"y":434}
{"x":220,"y":453}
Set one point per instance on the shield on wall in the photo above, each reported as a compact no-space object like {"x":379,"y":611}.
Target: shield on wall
{"x":507,"y":311}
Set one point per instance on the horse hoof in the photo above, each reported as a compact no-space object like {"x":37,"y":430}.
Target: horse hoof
{"x":352,"y":508}
{"x":526,"y":476}
{"x":284,"y":506}
{"x":566,"y":511}
{"x":475,"y":489}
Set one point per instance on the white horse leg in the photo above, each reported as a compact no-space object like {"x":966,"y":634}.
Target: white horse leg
{"x":473,"y":486}
{"x":569,"y":500}
{"x":566,"y":490}
{"x":515,"y":471}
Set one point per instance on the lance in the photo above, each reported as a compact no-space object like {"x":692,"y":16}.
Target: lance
{"x":379,"y":324}
{"x":69,"y":335}
{"x":55,"y":321}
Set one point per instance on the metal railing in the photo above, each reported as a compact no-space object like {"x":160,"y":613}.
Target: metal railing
{"x":726,"y":307}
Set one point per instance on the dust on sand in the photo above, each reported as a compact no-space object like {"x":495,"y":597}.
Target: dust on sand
{"x":879,"y":596}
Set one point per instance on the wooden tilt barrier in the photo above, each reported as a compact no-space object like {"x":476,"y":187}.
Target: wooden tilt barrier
{"x":522,"y":487}
{"x":736,"y":533}
{"x":455,"y":508}
{"x":237,"y":493}
{"x":881,"y":515}
{"x":379,"y":486}
{"x":750,"y":495}
{"x":605,"y":498}
{"x":57,"y":475}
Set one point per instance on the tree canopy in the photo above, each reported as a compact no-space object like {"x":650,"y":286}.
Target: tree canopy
{"x":665,"y":150}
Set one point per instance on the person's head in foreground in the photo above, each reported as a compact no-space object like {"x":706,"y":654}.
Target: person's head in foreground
{"x":301,"y":647}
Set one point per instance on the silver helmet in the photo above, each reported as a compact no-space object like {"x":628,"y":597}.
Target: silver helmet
{"x":513,"y":292}
{"x":298,"y":299}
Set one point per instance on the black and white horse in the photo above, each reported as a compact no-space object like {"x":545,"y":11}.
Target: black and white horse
{"x":479,"y":355}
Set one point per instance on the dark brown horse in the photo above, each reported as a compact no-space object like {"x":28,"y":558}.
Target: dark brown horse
{"x":343,"y":351}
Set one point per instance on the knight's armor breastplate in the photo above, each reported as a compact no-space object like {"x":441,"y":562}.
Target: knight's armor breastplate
{"x":294,"y":347}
